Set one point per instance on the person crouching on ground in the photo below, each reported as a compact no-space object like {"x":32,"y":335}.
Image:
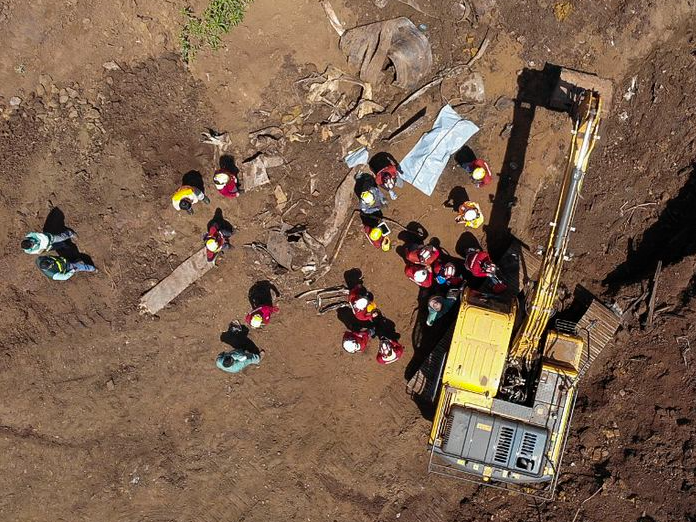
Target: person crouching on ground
{"x":217,"y":240}
{"x":356,"y":342}
{"x":260,"y":316}
{"x":187,"y":196}
{"x":226,"y":183}
{"x":470,"y":215}
{"x":389,"y":351}
{"x":422,"y":275}
{"x":236,"y":360}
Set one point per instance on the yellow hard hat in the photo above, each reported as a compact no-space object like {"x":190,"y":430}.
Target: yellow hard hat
{"x":368,"y":197}
{"x":370,"y":307}
{"x":375,"y":234}
{"x":479,"y":173}
{"x":212,"y":245}
{"x":256,"y":321}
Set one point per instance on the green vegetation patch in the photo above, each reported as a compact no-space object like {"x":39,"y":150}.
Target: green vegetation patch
{"x":218,"y":18}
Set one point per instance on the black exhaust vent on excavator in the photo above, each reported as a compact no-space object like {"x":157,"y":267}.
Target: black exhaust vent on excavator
{"x":503,"y":445}
{"x":526,"y":456}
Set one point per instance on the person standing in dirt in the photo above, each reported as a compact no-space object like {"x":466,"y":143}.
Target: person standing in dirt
{"x":356,"y":341}
{"x":370,"y":197}
{"x":236,"y":360}
{"x":261,"y":316}
{"x":362,"y":304}
{"x":438,"y":306}
{"x":187,"y":196}
{"x":58,"y":268}
{"x":479,"y":263}
{"x":470,"y":215}
{"x":37,"y":243}
{"x":479,"y":172}
{"x":226,"y":183}
{"x":422,"y":254}
{"x":389,"y":352}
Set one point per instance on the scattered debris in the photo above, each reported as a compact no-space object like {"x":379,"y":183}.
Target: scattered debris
{"x":397,"y":41}
{"x":111,"y":66}
{"x":263,"y":138}
{"x":342,"y":205}
{"x":503,"y":103}
{"x":631,"y":92}
{"x":15,"y":101}
{"x":623,"y":116}
{"x":561,"y":10}
{"x":459,"y":10}
{"x":472,"y":89}
{"x":333,"y":19}
{"x":357,"y":157}
{"x":256,"y":174}
{"x":685,"y":341}
{"x":651,"y":304}
{"x":281,"y":198}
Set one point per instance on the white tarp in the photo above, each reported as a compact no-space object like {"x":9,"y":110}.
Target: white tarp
{"x":424,"y":164}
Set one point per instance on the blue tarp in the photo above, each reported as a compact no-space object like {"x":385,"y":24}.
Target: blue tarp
{"x":424,"y":164}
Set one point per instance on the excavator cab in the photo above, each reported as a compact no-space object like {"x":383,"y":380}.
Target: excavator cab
{"x":506,"y":384}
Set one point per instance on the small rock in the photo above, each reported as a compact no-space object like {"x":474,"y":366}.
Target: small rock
{"x":109,"y":80}
{"x":63,"y":99}
{"x":54,"y":89}
{"x":72,"y":114}
{"x":90,"y":126}
{"x":111,"y":66}
{"x":53,"y":104}
{"x":503,"y":103}
{"x":71,"y":92}
{"x":473,"y":89}
{"x":45,"y":80}
{"x":40,"y":90}
{"x":110,"y":384}
{"x":15,"y":101}
{"x":92,"y":114}
{"x":507,"y":130}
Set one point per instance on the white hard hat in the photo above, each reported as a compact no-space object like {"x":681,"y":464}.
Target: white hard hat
{"x":212,"y":245}
{"x":361,"y":303}
{"x":420,"y":275}
{"x":351,"y":346}
{"x":471,"y":214}
{"x":221,"y":179}
{"x":256,"y":321}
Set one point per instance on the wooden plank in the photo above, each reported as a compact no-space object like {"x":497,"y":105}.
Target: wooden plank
{"x":179,"y":280}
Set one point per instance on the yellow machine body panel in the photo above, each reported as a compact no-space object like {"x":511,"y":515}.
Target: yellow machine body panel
{"x":479,"y":347}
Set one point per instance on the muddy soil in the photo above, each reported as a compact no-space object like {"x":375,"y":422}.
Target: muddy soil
{"x":111,"y":415}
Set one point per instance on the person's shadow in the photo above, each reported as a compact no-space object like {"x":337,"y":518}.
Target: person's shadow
{"x":415,"y":233}
{"x":193,"y":178}
{"x":261,"y":293}
{"x":456,"y":198}
{"x":227,"y":162}
{"x":55,"y":224}
{"x":237,"y":336}
{"x":219,"y":220}
{"x":381,"y":160}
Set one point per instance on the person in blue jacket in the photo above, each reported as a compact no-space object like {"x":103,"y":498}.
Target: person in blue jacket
{"x":58,"y":268}
{"x":37,"y":243}
{"x":236,"y":360}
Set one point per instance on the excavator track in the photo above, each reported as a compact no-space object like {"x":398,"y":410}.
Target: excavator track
{"x":597,"y":326}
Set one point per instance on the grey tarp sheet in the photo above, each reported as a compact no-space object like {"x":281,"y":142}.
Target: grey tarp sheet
{"x":424,"y":164}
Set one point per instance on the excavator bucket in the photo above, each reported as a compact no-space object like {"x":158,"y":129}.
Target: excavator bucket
{"x":572,"y":83}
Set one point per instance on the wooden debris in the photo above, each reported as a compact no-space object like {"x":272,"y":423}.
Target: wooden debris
{"x":651,"y":305}
{"x":179,"y":280}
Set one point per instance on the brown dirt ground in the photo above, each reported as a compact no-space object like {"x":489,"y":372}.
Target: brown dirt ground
{"x":110,"y":415}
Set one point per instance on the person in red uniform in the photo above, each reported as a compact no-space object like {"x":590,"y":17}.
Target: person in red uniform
{"x":422,"y":254}
{"x":389,"y":351}
{"x":260,"y":316}
{"x":479,"y":171}
{"x":226,"y":183}
{"x":356,"y":342}
{"x":422,"y":275}
{"x":479,"y":263}
{"x":216,"y":241}
{"x":446,"y":274}
{"x":388,"y":179}
{"x":362,"y":304}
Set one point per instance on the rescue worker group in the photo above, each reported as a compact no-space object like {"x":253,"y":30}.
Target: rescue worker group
{"x":428,"y":266}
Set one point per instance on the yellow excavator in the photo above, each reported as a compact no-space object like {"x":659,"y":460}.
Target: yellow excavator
{"x":506,"y":385}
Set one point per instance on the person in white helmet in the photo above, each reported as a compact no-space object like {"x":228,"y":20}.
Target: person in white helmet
{"x":422,"y":275}
{"x":389,"y":351}
{"x":470,"y":215}
{"x":226,"y":183}
{"x":355,"y":342}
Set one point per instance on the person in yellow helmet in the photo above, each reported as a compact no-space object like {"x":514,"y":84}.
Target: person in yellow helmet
{"x":370,"y":198}
{"x":479,"y":172}
{"x":216,"y":240}
{"x":377,"y":236}
{"x":187,"y":196}
{"x":470,"y":214}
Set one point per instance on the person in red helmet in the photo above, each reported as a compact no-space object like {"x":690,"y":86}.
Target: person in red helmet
{"x":362,"y":304}
{"x":226,"y":183}
{"x":479,"y":263}
{"x":260,"y":316}
{"x":355,"y":342}
{"x":389,"y":351}
{"x":422,"y":275}
{"x":422,"y":254}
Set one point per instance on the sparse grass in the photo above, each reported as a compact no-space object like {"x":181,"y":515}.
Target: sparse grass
{"x":218,"y":18}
